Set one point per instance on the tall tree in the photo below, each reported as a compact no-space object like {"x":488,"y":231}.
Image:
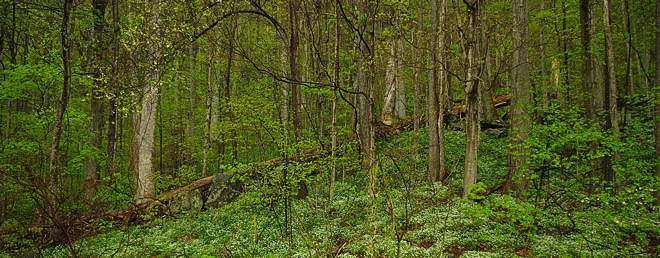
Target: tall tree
{"x":333,"y":168}
{"x":656,"y":90}
{"x":611,"y":84}
{"x":146,"y":123}
{"x":417,"y":44}
{"x":294,"y":72}
{"x":586,"y":59}
{"x":95,"y":99}
{"x":53,"y":183}
{"x":518,"y":178}
{"x":113,"y":92}
{"x":209,"y":109}
{"x":472,"y":93}
{"x":434,"y":113}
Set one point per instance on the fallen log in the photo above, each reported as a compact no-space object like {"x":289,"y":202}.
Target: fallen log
{"x":498,"y":101}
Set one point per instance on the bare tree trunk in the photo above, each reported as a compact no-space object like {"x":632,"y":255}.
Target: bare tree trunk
{"x":147,"y":119}
{"x":611,"y":75}
{"x":433,"y":112}
{"x":333,"y":168}
{"x":629,"y":87}
{"x":597,"y":91}
{"x":293,"y":69}
{"x":657,"y":96}
{"x":192,"y":92}
{"x":390,"y":85}
{"x":518,"y":178}
{"x":472,"y":96}
{"x":284,"y":106}
{"x":443,"y":90}
{"x":114,"y":91}
{"x":209,"y":111}
{"x":544,"y":69}
{"x":53,"y":183}
{"x":586,"y":60}
{"x":418,"y":72}
{"x":95,"y":100}
{"x":486,"y":106}
{"x":400,"y":103}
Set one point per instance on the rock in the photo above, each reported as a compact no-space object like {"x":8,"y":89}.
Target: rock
{"x":221,"y":191}
{"x":187,"y":200}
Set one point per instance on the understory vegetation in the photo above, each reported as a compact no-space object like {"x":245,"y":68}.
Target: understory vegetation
{"x":407,"y":217}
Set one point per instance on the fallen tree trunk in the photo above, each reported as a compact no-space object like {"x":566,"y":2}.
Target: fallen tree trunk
{"x":498,"y":101}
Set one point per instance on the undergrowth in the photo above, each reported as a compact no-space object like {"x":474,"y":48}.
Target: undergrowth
{"x":411,"y":219}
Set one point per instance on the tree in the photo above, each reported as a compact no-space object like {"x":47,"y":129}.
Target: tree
{"x":144,"y":130}
{"x":518,"y":177}
{"x":434,"y":113}
{"x":611,"y":84}
{"x":53,"y":183}
{"x":95,"y":99}
{"x":656,"y":90}
{"x":586,"y":59}
{"x":472,"y":41}
{"x":294,"y":72}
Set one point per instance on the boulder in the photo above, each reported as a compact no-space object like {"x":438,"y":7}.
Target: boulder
{"x":187,"y":200}
{"x":222,"y":191}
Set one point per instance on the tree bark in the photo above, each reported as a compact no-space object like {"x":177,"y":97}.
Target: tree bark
{"x":53,"y":183}
{"x":400,"y":87}
{"x":147,"y":116}
{"x":586,"y":60}
{"x":192,"y":92}
{"x":228,"y":90}
{"x":95,"y":100}
{"x":629,"y":87}
{"x":518,"y":177}
{"x":544,"y":69}
{"x":333,"y":168}
{"x":209,"y":110}
{"x":389,"y":103}
{"x":472,"y":95}
{"x":418,"y":72}
{"x":293,"y":69}
{"x":114,"y":91}
{"x":611,"y":75}
{"x":657,"y":97}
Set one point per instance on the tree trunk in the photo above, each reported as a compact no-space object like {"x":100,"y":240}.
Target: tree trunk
{"x":418,"y":72}
{"x":586,"y":60}
{"x":400,"y":103}
{"x":657,"y":96}
{"x":228,"y":90}
{"x":432,"y":98}
{"x":486,"y":107}
{"x":53,"y":184}
{"x":390,"y":86}
{"x":597,"y":91}
{"x":147,"y":117}
{"x":192,"y":92}
{"x":629,"y":87}
{"x":114,"y":91}
{"x":284,"y":106}
{"x":544,"y":70}
{"x":293,"y":69}
{"x":472,"y":96}
{"x":518,"y":178}
{"x":209,"y":111}
{"x":95,"y":100}
{"x":611,"y":75}
{"x":333,"y":168}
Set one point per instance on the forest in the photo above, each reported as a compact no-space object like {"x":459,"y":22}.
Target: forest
{"x":335,"y":128}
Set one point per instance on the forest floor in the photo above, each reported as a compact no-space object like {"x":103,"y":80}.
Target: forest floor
{"x":407,"y":217}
